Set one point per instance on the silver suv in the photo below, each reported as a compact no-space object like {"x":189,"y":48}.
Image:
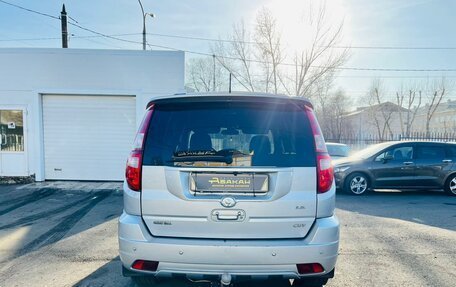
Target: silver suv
{"x":228,"y":187}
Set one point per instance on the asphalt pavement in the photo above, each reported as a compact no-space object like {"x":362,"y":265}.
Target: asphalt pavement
{"x":65,"y":234}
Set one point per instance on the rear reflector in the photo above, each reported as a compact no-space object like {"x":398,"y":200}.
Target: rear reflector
{"x":309,"y":268}
{"x":145,"y":265}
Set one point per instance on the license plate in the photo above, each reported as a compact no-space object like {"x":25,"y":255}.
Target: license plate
{"x":217,"y":182}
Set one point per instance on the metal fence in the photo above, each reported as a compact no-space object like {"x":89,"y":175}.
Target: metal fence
{"x":438,"y":137}
{"x":360,"y":142}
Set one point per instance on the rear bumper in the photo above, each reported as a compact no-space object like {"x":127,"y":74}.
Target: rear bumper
{"x":200,"y":257}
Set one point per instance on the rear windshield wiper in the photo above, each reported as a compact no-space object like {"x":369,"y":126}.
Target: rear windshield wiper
{"x":192,"y":156}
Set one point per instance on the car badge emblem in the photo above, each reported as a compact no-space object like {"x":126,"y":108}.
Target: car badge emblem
{"x":228,"y":202}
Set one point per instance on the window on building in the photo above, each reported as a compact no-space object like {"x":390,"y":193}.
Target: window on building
{"x":11,"y":130}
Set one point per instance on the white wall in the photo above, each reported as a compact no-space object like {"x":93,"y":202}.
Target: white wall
{"x":26,"y":74}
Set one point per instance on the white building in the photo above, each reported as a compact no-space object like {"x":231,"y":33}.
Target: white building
{"x":443,"y":120}
{"x":380,"y":121}
{"x":72,"y":114}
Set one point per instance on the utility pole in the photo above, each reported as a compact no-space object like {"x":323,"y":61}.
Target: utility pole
{"x":144,"y":14}
{"x":144,"y":32}
{"x":213,"y":75}
{"x":229,"y":88}
{"x":63,"y":19}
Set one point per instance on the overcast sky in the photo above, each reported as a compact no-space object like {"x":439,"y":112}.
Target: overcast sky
{"x":413,"y":23}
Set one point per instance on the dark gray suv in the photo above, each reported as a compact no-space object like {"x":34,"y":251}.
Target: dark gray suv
{"x":399,"y":165}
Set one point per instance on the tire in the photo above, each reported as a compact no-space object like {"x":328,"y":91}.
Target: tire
{"x":357,"y":184}
{"x":310,"y":282}
{"x":450,"y":185}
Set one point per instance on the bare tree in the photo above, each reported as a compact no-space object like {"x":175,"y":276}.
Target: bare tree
{"x":236,"y":56}
{"x":311,"y":64}
{"x":331,"y":110}
{"x":261,"y":64}
{"x":200,"y":75}
{"x":411,"y":102}
{"x":380,"y":114}
{"x":268,"y":41}
{"x":435,"y":95}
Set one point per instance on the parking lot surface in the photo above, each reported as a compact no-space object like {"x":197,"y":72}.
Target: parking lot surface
{"x":65,"y":234}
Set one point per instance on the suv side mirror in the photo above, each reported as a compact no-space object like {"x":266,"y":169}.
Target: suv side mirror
{"x":387,"y":158}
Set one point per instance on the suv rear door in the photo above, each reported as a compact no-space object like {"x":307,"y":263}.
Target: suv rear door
{"x":229,"y":167}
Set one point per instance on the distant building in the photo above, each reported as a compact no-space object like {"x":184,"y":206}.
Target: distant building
{"x":380,"y":121}
{"x":443,"y":120}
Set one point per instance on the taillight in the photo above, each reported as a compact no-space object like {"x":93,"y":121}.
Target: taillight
{"x":320,"y":145}
{"x":325,"y":171}
{"x":134,"y":161}
{"x":133,"y":170}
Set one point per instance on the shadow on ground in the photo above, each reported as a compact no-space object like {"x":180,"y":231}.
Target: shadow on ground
{"x":414,"y":206}
{"x":47,"y":213}
{"x":110,"y":275}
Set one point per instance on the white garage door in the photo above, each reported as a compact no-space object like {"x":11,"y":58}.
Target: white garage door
{"x":87,"y":137}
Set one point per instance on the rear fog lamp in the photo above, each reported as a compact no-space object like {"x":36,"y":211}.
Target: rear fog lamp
{"x":309,"y":268}
{"x":145,"y":265}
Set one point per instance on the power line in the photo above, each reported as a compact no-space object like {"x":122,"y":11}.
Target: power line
{"x":73,"y":24}
{"x":108,"y":44}
{"x":314,"y":66}
{"x":104,"y":35}
{"x":201,"y":38}
{"x":331,"y":47}
{"x":31,"y":39}
{"x":115,"y":37}
{"x":391,"y":47}
{"x":227,"y":57}
{"x":72,"y":36}
{"x":396,"y":77}
{"x":30,"y":10}
{"x":249,"y":42}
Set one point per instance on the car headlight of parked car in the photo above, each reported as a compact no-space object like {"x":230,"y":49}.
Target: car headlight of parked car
{"x":338,"y":169}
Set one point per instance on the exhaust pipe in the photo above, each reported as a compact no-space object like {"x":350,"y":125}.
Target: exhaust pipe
{"x":225,"y":280}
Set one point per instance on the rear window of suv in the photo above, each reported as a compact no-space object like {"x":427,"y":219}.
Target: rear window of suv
{"x":229,"y":134}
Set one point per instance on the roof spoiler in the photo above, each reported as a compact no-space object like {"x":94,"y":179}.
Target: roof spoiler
{"x":230,"y":98}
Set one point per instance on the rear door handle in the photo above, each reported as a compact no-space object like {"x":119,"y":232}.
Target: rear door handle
{"x":447,"y":161}
{"x":228,"y":215}
{"x":408,"y":162}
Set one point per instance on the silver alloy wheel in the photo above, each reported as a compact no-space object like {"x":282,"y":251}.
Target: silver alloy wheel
{"x":358,"y":185}
{"x":453,"y":185}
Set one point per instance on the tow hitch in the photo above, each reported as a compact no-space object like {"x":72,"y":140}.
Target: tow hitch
{"x":225,"y":280}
